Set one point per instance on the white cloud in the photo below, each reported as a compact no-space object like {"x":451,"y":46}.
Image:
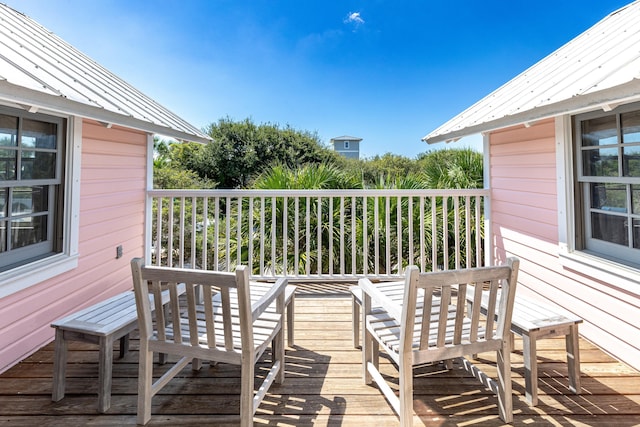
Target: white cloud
{"x":354,"y":18}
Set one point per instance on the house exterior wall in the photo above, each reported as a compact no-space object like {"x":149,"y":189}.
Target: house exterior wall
{"x":112,"y":213}
{"x":524,"y":223}
{"x":353,"y":152}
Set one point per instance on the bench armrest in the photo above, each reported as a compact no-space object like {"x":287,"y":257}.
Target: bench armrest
{"x":276,"y":291}
{"x":385,"y":302}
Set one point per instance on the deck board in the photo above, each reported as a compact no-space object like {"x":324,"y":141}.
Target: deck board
{"x":323,"y":386}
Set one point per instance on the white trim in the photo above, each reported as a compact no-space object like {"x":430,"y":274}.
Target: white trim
{"x":148,"y":205}
{"x":564,"y":184}
{"x":25,"y":276}
{"x":486,"y":159}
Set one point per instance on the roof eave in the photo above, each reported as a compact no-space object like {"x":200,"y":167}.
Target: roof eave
{"x":606,"y":99}
{"x":42,"y":101}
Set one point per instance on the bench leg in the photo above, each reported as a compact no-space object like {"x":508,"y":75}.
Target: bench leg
{"x":290,"y":316}
{"x":59,"y":366}
{"x":573,"y":359}
{"x":104,"y":373}
{"x":355,"y":321}
{"x":529,"y":345}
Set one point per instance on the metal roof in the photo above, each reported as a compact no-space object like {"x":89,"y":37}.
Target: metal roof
{"x":598,"y":69}
{"x":39,"y":70}
{"x":346,"y":138}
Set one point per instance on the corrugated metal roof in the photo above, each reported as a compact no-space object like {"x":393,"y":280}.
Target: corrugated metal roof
{"x":39,"y":70}
{"x":598,"y":69}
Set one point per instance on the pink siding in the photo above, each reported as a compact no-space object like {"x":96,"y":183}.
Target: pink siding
{"x":112,"y":193}
{"x":525,"y":224}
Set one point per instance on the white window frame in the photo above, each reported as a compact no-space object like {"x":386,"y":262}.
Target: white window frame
{"x":27,"y":275}
{"x":587,"y":263}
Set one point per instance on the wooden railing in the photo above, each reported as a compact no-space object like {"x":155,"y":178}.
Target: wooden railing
{"x":317,"y":235}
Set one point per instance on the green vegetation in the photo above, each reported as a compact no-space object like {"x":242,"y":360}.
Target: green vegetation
{"x":246,"y":155}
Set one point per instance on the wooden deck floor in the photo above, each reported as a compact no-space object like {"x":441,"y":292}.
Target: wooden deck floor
{"x":323,"y":387}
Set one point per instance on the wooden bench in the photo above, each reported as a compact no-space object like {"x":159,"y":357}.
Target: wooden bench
{"x":102,"y":324}
{"x":534,"y":320}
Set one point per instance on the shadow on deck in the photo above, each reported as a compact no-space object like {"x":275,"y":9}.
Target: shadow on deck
{"x":324,"y":386}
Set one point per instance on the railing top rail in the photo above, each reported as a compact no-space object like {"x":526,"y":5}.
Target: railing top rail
{"x":320,"y":193}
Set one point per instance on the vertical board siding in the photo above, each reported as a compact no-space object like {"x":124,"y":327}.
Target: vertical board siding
{"x":112,"y":201}
{"x":524,"y":224}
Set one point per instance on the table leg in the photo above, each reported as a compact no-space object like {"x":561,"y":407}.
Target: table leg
{"x":530,"y":369}
{"x":573,"y":359}
{"x":104,"y":373}
{"x":59,"y":366}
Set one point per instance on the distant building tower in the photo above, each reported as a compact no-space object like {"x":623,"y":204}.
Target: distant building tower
{"x":348,"y":146}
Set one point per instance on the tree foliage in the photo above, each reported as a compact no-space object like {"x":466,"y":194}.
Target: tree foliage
{"x":452,"y":168}
{"x":240,"y":151}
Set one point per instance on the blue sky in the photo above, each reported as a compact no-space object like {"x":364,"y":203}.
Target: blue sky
{"x":387,"y":71}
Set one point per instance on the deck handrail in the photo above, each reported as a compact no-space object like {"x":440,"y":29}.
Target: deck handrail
{"x":316,"y":235}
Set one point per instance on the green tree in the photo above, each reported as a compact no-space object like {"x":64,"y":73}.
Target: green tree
{"x":240,"y":151}
{"x":171,"y":166}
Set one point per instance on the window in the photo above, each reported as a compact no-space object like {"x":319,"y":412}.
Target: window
{"x":608,"y":184}
{"x":31,"y":187}
{"x":346,"y":145}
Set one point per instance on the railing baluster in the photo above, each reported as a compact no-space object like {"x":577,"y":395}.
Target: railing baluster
{"x":170,"y":231}
{"x":354,"y":236}
{"x":216,"y":233}
{"x":365,"y":238}
{"x":330,"y":232}
{"x":434,"y":234}
{"x":467,"y":234}
{"x":376,"y":236}
{"x":296,"y":238}
{"x":308,"y":237}
{"x":410,"y":224}
{"x":387,"y":234}
{"x":445,"y":232}
{"x":285,"y":234}
{"x":342,"y":221}
{"x":159,"y":244}
{"x":250,"y":235}
{"x":319,"y":235}
{"x":262,"y":239}
{"x":479,"y":201}
{"x":194,"y":221}
{"x":274,"y":235}
{"x":456,"y":229}
{"x":423,"y":254}
{"x":399,"y":232}
{"x":239,"y":232}
{"x":227,"y":234}
{"x":205,"y":233}
{"x":181,"y":234}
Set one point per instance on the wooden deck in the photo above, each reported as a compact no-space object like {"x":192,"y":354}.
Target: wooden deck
{"x":323,"y":387}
